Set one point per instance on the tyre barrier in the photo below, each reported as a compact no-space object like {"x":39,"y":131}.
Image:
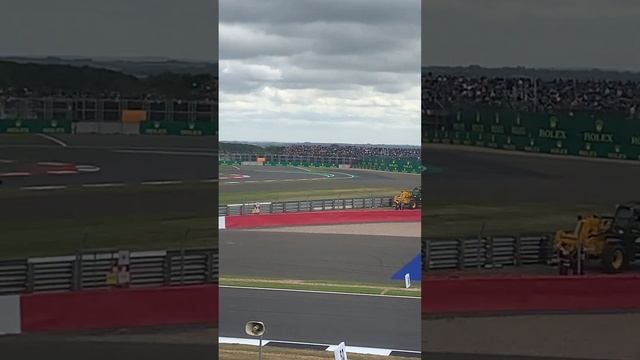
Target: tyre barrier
{"x":109,"y":309}
{"x":473,"y":296}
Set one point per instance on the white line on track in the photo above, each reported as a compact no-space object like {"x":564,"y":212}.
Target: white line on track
{"x":329,"y":347}
{"x":4,"y":161}
{"x":102,"y":185}
{"x":53,"y":139}
{"x":162,"y":182}
{"x":43,"y":188}
{"x":319,"y":292}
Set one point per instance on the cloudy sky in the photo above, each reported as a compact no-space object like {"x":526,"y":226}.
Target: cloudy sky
{"x":540,"y":33}
{"x":343,"y":71}
{"x":110,"y":28}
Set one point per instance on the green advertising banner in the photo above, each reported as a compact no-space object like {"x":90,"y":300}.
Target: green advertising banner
{"x":177,"y":128}
{"x":590,"y":135}
{"x":35,"y":126}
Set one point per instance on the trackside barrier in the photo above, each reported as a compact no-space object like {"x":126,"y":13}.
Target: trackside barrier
{"x":109,"y":309}
{"x":119,"y":308}
{"x":90,"y":270}
{"x":486,"y":252}
{"x":489,"y":251}
{"x":529,"y":294}
{"x":321,"y":218}
{"x":308,"y":205}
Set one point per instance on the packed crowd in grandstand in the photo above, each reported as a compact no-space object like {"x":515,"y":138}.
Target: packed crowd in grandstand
{"x":352,"y":151}
{"x":443,"y":92}
{"x":205,"y":90}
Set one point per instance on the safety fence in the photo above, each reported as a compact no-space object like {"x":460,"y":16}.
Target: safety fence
{"x":370,"y":163}
{"x":491,"y":251}
{"x":603,"y":135}
{"x":486,"y":252}
{"x":306,"y":205}
{"x":91,"y":270}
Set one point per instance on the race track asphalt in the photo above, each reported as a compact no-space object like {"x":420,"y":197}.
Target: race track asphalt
{"x":136,"y":166}
{"x":33,"y":349}
{"x":305,"y":256}
{"x":533,"y":337}
{"x":383,"y":322}
{"x":273,"y":179}
{"x":471,"y":176}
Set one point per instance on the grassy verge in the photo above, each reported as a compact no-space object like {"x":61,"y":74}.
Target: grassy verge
{"x":328,"y":286}
{"x":235,"y":197}
{"x":244,"y":352}
{"x":464,"y":220}
{"x":135,"y":233}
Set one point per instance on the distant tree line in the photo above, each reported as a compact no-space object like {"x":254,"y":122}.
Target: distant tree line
{"x":542,"y":74}
{"x":28,"y":79}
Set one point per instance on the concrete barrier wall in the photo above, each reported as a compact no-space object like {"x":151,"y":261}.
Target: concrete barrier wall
{"x":518,"y":294}
{"x":320,"y":218}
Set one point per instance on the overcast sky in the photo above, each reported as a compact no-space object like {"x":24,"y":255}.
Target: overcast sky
{"x":320,"y":71}
{"x":110,"y":28}
{"x":538,"y":33}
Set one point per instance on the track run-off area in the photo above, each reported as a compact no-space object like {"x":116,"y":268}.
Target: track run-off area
{"x":67,"y":192}
{"x":500,"y":192}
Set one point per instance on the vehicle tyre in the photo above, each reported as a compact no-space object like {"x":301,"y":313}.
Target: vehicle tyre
{"x":614,"y":258}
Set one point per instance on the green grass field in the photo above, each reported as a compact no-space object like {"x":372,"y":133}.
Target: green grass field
{"x":349,"y":193}
{"x":444,"y":220}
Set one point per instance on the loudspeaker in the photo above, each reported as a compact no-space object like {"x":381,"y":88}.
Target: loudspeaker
{"x":254,"y":328}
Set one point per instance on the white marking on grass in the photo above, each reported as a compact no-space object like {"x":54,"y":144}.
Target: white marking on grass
{"x":162,"y":182}
{"x":62,"y":172}
{"x":102,"y":185}
{"x":43,"y":188}
{"x":162,"y":152}
{"x":53,"y":139}
{"x":11,"y":174}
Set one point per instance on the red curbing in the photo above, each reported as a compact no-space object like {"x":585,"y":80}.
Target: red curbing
{"x":321,"y":218}
{"x":119,"y":308}
{"x":530,"y":294}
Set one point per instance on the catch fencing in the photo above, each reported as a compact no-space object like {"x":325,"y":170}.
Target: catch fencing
{"x":486,"y":252}
{"x":90,"y":270}
{"x":307,"y":205}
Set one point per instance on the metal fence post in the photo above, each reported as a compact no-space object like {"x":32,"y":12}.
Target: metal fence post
{"x":167,"y":269}
{"x":30,"y":286}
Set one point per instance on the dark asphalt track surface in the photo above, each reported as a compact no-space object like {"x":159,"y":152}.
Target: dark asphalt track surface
{"x":383,"y":322}
{"x":304,"y":256}
{"x":468,"y":176}
{"x":127,"y":160}
{"x":343,"y":179}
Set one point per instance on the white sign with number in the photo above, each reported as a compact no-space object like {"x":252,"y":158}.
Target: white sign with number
{"x":340,"y":352}
{"x":407,"y":280}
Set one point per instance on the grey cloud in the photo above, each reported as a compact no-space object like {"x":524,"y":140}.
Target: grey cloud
{"x":115,"y":28}
{"x":542,"y":33}
{"x":308,"y":11}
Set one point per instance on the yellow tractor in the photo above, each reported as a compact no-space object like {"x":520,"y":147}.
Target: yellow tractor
{"x":408,"y":199}
{"x":612,"y":240}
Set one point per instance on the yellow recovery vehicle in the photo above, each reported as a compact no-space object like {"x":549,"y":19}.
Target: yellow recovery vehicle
{"x":612,"y":240}
{"x":408,"y":199}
